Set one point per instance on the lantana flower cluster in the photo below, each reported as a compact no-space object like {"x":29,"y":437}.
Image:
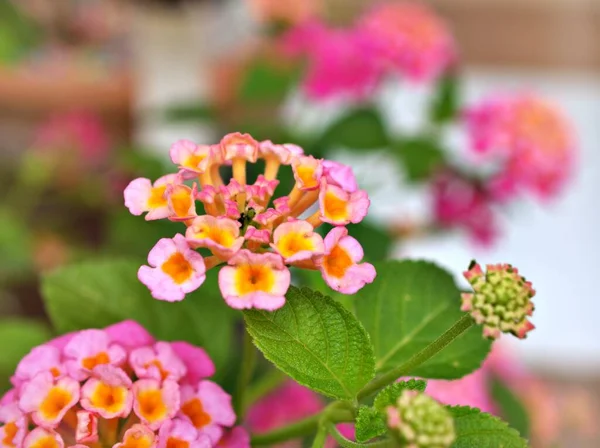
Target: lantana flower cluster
{"x":420,"y":422}
{"x":530,"y":138}
{"x":501,"y":300}
{"x":256,"y":235}
{"x":393,"y":37}
{"x":115,"y":387}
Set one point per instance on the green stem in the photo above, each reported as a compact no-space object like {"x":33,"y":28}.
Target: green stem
{"x":321,"y":437}
{"x":245,"y":375}
{"x":344,"y":442}
{"x":304,"y":427}
{"x":460,"y":326}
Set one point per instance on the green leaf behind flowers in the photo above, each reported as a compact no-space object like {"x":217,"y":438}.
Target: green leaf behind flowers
{"x":476,"y":429}
{"x":359,"y":129}
{"x":99,"y":293}
{"x":389,"y":396}
{"x":410,"y":304}
{"x":510,"y":407}
{"x":17,"y":337}
{"x":316,"y":341}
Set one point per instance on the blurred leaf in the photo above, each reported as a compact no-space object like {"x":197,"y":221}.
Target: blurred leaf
{"x":359,"y":129}
{"x":18,"y":34}
{"x":420,"y":157}
{"x":17,"y":338}
{"x":445,"y":105}
{"x":408,"y":306}
{"x":510,"y":407}
{"x":15,"y":246}
{"x":194,"y":112}
{"x":140,"y":163}
{"x":265,"y":82}
{"x":376,"y":243}
{"x":476,"y":429}
{"x":98,"y":293}
{"x":316,"y":341}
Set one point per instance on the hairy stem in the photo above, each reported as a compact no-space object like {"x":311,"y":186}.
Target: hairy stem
{"x":461,"y":325}
{"x":245,"y":375}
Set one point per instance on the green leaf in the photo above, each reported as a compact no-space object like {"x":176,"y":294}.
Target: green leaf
{"x":445,"y":106}
{"x":476,"y":429}
{"x":370,"y":423}
{"x":377,"y":244}
{"x":266,"y":81}
{"x":316,"y":341}
{"x":15,"y":246}
{"x":359,"y":129}
{"x":17,"y":338}
{"x":410,"y":304}
{"x":389,"y":396}
{"x":98,"y":293}
{"x":420,"y":157}
{"x":195,"y":112}
{"x":510,"y":407}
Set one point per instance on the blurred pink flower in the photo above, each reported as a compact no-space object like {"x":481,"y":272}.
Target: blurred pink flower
{"x":80,"y":133}
{"x":529,"y":137}
{"x":341,"y":62}
{"x":471,"y":390}
{"x":460,"y":203}
{"x":411,"y":38}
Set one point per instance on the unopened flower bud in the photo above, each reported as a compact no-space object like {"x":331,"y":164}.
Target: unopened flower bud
{"x":501,"y":300}
{"x":421,"y":422}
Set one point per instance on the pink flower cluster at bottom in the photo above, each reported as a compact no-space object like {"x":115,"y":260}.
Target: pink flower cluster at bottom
{"x":117,"y":387}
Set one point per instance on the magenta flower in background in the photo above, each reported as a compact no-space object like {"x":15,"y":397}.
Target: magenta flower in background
{"x":340,"y":62}
{"x":78,"y":132}
{"x":117,"y":387}
{"x":410,"y":38}
{"x":460,"y":203}
{"x":529,"y":138}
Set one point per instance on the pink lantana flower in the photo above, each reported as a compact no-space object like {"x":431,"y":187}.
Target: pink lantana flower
{"x":410,"y":37}
{"x":254,"y":281}
{"x":238,"y":437}
{"x":159,"y":362}
{"x":48,"y":399}
{"x":44,"y":358}
{"x":175,"y":269}
{"x":341,"y":267}
{"x":208,"y":408}
{"x":181,"y":433}
{"x":146,"y":387}
{"x":529,"y":138}
{"x":191,"y":158}
{"x":141,"y":195}
{"x":339,"y":207}
{"x":297,"y":242}
{"x":256,"y":235}
{"x":43,"y":438}
{"x":89,"y":349}
{"x":108,"y":393}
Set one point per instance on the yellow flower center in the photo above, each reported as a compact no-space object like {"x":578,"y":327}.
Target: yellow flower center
{"x":253,"y":277}
{"x":181,"y":201}
{"x":151,"y":405}
{"x":55,"y":402}
{"x":157,"y":197}
{"x":194,"y":160}
{"x":93,"y":361}
{"x":10,"y":432}
{"x":223,"y":237}
{"x":178,"y":268}
{"x":294,"y":242}
{"x":173,"y":442}
{"x":337,"y":262}
{"x":109,"y":398}
{"x":138,"y":440}
{"x":45,"y":442}
{"x":334,"y":207}
{"x":196,"y":413}
{"x":307,"y":176}
{"x":156,"y":363}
